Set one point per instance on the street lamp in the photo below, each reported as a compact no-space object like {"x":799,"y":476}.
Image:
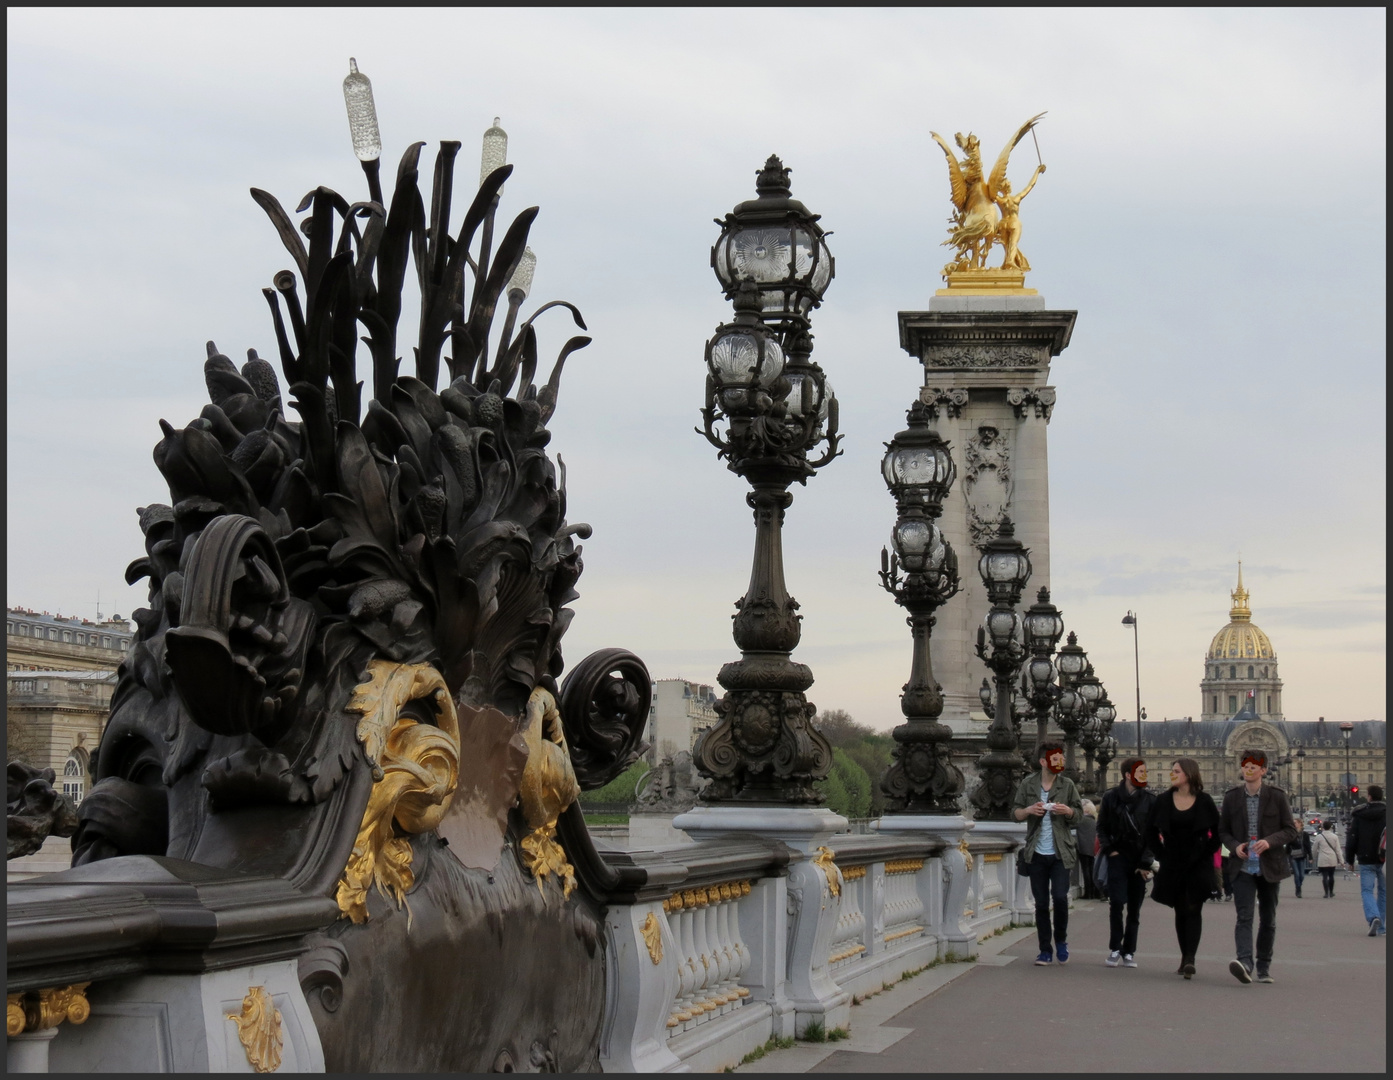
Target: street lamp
{"x":1004,"y":567}
{"x":1043,"y":627}
{"x":1301,"y":776}
{"x":1130,"y":619}
{"x":776,"y":406}
{"x":1106,"y":752}
{"x":1346,"y":730}
{"x":918,"y":470}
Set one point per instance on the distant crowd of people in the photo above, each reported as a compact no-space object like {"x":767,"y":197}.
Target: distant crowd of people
{"x":1191,"y":851}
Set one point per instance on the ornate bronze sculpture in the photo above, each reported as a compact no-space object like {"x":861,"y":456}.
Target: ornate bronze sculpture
{"x":774,"y":265}
{"x":347,"y":675}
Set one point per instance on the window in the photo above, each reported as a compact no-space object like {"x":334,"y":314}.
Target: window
{"x":24,"y":629}
{"x":74,"y":779}
{"x":68,"y":636}
{"x":1233,"y":704}
{"x":1250,"y":671}
{"x":1269,"y":702}
{"x":1216,"y":704}
{"x":1233,"y":673}
{"x":106,"y":642}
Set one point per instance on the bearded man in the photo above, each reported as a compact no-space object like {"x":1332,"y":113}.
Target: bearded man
{"x":1051,"y":803}
{"x":1122,"y":821}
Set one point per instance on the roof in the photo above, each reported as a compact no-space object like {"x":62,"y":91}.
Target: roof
{"x":1241,"y":638}
{"x":1215,"y":733}
{"x":71,"y":676}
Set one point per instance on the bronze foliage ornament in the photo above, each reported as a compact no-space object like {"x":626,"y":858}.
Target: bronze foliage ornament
{"x":352,"y":586}
{"x":259,"y":1031}
{"x":416,"y":766}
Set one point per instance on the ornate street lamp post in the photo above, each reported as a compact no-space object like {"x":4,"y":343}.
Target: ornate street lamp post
{"x":918,"y":470}
{"x":1094,"y":736}
{"x":1106,"y":753}
{"x":777,"y":407}
{"x":1301,"y":776}
{"x":1090,"y":692}
{"x":1346,"y":730}
{"x":1043,"y":628}
{"x":1005,"y":569}
{"x":1070,"y":708}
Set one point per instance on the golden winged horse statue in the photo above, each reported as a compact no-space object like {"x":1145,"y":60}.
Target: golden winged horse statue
{"x":986,"y":211}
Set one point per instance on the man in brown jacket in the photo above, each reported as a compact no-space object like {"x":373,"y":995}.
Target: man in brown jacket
{"x":1255,"y":824}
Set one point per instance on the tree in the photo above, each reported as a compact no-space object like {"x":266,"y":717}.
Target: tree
{"x":618,"y":790}
{"x":869,"y":749}
{"x":847,"y":787}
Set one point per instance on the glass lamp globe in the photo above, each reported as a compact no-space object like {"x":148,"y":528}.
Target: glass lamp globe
{"x":775,"y":242}
{"x":1105,"y":712}
{"x":1004,"y":565}
{"x":1041,"y":673}
{"x":1001,"y":625}
{"x":1043,"y":625}
{"x":1071,"y":659}
{"x":1068,"y":702}
{"x":986,"y":696}
{"x":918,"y":465}
{"x":919,"y":544}
{"x":1090,"y":689}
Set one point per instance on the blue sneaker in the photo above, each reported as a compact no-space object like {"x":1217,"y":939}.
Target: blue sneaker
{"x":1062,"y":952}
{"x":1045,"y":959}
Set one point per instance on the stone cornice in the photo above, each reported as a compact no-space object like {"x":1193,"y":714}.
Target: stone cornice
{"x":1011,"y":339}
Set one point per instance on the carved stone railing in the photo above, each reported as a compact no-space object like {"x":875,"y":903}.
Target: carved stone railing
{"x":735,"y":940}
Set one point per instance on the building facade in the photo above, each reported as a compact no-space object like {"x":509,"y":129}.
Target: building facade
{"x":1241,"y":709}
{"x":1240,"y":666}
{"x":61,"y":673}
{"x":680,"y":712}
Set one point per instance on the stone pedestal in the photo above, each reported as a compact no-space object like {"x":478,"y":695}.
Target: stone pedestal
{"x":986,"y":369}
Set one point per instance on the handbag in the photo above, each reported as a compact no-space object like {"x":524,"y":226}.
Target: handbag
{"x":1022,"y":863}
{"x":1100,"y":872}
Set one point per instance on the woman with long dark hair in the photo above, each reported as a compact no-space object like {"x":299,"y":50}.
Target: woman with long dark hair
{"x":1184,"y":833}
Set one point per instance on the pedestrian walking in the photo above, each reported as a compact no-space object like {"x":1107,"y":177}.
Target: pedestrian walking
{"x":1300,"y":852}
{"x":1255,"y":823}
{"x":1088,"y":842}
{"x":1049,"y":802}
{"x":1326,"y":848}
{"x":1365,"y":844}
{"x":1184,"y":832}
{"x":1122,"y":820}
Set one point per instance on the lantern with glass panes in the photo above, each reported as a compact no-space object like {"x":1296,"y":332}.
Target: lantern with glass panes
{"x":918,"y":470}
{"x":1043,"y":626}
{"x":1004,"y":566}
{"x":768,"y":408}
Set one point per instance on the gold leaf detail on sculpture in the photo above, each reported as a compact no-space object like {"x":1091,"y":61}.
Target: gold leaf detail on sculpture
{"x":14,"y":1014}
{"x":967,"y":855}
{"x":652,"y":932}
{"x":416,"y":766}
{"x":259,"y":1029}
{"x":824,"y":859}
{"x":39,"y":1010}
{"x":548,"y":787}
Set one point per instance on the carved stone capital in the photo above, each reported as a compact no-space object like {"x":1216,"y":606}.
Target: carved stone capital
{"x":950,"y":401}
{"x":1024,"y":400}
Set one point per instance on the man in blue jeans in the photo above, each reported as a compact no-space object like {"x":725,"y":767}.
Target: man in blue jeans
{"x":1366,"y":832}
{"x":1050,"y":803}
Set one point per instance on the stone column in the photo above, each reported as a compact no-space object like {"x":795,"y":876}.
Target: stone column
{"x":986,"y":366}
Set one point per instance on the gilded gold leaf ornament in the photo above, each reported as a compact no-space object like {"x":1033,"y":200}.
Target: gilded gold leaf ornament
{"x":652,"y":932}
{"x":14,"y":1014}
{"x":548,"y":787}
{"x":824,"y":860}
{"x":416,"y":766}
{"x":967,"y":855}
{"x":259,"y":1030}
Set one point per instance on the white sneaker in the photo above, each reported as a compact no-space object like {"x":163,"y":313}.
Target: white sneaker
{"x":1129,"y":961}
{"x":1114,"y":958}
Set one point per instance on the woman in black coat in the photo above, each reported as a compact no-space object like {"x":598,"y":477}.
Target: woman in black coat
{"x":1184,"y":832}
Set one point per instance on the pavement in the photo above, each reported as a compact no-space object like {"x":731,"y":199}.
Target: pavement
{"x":1325,"y":1012}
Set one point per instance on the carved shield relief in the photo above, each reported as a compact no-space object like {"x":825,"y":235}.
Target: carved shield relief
{"x":988,"y":485}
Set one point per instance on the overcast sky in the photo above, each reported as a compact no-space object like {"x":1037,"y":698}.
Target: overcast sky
{"x":1214,"y":210}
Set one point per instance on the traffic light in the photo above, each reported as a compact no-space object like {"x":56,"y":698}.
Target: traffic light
{"x":1354,"y":790}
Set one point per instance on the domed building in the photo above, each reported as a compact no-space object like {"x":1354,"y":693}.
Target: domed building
{"x":1240,"y":668}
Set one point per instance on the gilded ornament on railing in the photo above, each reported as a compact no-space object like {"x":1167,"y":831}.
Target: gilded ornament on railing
{"x":38,"y":1010}
{"x":415,"y":761}
{"x":259,"y":1030}
{"x":853,"y":873}
{"x":652,"y":932}
{"x":693,"y":898}
{"x":985,"y":212}
{"x":549,"y":785}
{"x":824,"y":860}
{"x":904,"y":866}
{"x":967,"y":855}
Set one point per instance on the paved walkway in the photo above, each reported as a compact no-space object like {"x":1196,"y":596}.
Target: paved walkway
{"x":1325,"y":1013}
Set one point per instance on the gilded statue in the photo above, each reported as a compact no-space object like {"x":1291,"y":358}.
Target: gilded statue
{"x":986,"y":210}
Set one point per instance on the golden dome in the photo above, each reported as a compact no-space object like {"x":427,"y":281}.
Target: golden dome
{"x":1241,"y":638}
